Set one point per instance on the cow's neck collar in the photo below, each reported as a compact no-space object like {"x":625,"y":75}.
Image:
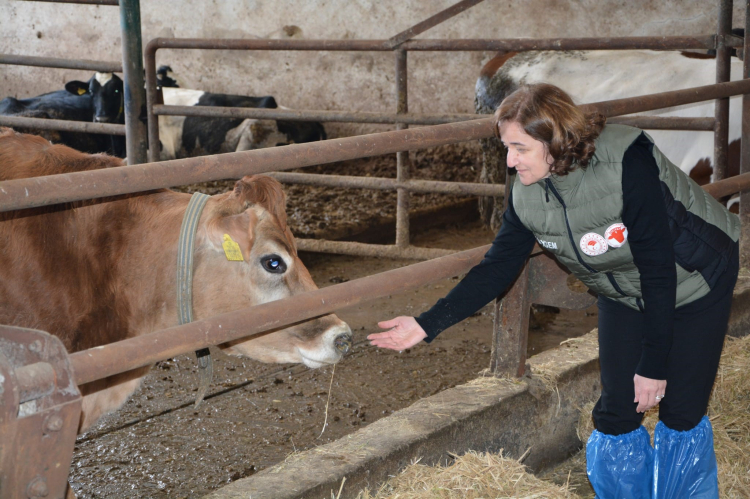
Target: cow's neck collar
{"x":185,"y":284}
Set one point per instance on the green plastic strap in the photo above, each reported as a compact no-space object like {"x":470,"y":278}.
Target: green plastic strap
{"x":185,"y":256}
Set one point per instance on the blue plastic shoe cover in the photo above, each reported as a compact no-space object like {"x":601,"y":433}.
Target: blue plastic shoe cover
{"x":620,"y":467}
{"x":685,"y":463}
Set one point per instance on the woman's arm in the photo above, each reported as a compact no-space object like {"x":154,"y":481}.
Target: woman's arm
{"x":482,"y":284}
{"x":645,"y":216}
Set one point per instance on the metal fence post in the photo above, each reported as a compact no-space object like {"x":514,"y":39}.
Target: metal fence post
{"x":402,"y":158}
{"x":135,"y":91}
{"x":721,"y":130}
{"x":745,"y":153}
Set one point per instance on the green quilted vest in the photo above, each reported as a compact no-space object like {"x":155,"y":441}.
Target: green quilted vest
{"x":580,"y":220}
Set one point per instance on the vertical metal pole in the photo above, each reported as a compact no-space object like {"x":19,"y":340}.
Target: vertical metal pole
{"x":402,"y":158}
{"x":135,"y":92}
{"x":745,"y":152}
{"x":510,"y":331}
{"x":721,"y":130}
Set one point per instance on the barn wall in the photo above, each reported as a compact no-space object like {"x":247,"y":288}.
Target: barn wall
{"x":438,"y":82}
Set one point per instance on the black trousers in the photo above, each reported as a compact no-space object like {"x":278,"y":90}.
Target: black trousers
{"x":699,"y":331}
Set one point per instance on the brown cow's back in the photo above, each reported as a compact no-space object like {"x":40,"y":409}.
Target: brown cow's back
{"x":64,"y":266}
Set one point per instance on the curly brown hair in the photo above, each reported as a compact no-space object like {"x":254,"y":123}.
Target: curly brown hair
{"x":549,"y":115}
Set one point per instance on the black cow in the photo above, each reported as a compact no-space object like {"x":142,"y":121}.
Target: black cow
{"x":60,"y":105}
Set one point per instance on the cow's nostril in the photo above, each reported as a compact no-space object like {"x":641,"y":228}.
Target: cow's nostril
{"x":343,"y":342}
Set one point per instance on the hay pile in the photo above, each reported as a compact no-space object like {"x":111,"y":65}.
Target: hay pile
{"x":491,"y":475}
{"x":729,"y":412}
{"x":471,"y":476}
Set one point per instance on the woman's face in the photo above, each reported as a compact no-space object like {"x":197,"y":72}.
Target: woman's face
{"x":526,"y":154}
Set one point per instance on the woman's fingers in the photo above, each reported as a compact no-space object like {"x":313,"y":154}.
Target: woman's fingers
{"x":405,"y":332}
{"x":646,"y":391}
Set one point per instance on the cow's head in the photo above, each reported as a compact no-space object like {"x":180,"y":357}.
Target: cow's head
{"x":107,"y":96}
{"x":253,"y":216}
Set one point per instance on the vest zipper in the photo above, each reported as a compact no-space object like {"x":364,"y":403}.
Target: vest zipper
{"x":549,"y":185}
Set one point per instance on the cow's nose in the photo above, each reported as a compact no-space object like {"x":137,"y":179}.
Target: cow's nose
{"x":101,"y":119}
{"x":343,"y":343}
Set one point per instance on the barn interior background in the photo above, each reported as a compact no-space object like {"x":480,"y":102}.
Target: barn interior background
{"x":352,"y":81}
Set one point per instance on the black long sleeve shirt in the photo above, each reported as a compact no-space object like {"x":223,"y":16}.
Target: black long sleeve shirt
{"x":645,"y":216}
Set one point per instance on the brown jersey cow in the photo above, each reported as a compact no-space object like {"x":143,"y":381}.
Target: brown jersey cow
{"x":95,"y":272}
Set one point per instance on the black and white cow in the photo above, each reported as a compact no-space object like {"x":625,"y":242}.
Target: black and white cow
{"x":593,"y":76}
{"x":186,"y":136}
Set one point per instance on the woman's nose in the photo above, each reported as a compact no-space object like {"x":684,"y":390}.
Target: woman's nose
{"x":512,"y":160}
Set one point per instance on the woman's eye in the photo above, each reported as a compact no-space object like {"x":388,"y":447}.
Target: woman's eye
{"x":273,"y":264}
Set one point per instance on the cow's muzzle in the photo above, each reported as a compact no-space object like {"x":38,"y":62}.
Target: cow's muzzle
{"x":343,"y":343}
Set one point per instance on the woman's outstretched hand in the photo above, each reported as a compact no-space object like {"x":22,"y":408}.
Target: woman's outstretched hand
{"x":405,"y":332}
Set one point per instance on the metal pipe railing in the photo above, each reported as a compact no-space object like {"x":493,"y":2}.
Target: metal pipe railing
{"x":101,"y":362}
{"x":723,"y":74}
{"x":84,"y":2}
{"x":133,"y":81}
{"x":62,"y":125}
{"x":53,"y":189}
{"x":745,"y":152}
{"x":391,"y":184}
{"x":402,"y":157}
{"x":55,"y":62}
{"x":430,"y":22}
{"x":461,"y":45}
{"x":648,"y":122}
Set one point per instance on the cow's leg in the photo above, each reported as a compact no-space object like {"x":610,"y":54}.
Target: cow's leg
{"x":107,"y":395}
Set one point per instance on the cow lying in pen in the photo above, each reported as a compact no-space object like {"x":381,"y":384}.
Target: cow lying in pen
{"x":601,"y":75}
{"x":95,"y":272}
{"x":182,"y":136}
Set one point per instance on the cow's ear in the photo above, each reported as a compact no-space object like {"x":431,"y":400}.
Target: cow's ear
{"x":264,"y":191}
{"x":77,"y":87}
{"x":234,"y":231}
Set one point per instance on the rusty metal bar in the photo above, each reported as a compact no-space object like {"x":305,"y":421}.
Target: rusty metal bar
{"x":101,"y":362}
{"x":53,"y":189}
{"x":509,"y":44}
{"x":721,"y":132}
{"x":84,"y":2}
{"x":390,"y":184}
{"x":745,"y":151}
{"x":54,"y":62}
{"x":314,"y":115}
{"x":63,"y":125}
{"x":728,"y":186}
{"x":646,"y":122}
{"x":402,"y":158}
{"x":665,"y":122}
{"x":430,"y":22}
{"x":375,"y":250}
{"x":663,"y":100}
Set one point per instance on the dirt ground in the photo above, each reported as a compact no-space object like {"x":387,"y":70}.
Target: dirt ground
{"x":158,"y":445}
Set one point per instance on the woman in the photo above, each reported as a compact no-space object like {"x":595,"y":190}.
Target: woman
{"x":662,"y":256}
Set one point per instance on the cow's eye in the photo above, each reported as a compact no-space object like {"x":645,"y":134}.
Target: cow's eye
{"x":274,"y":264}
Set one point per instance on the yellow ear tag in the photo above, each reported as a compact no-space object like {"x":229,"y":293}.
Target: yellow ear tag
{"x":81,"y":91}
{"x":232,"y":249}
